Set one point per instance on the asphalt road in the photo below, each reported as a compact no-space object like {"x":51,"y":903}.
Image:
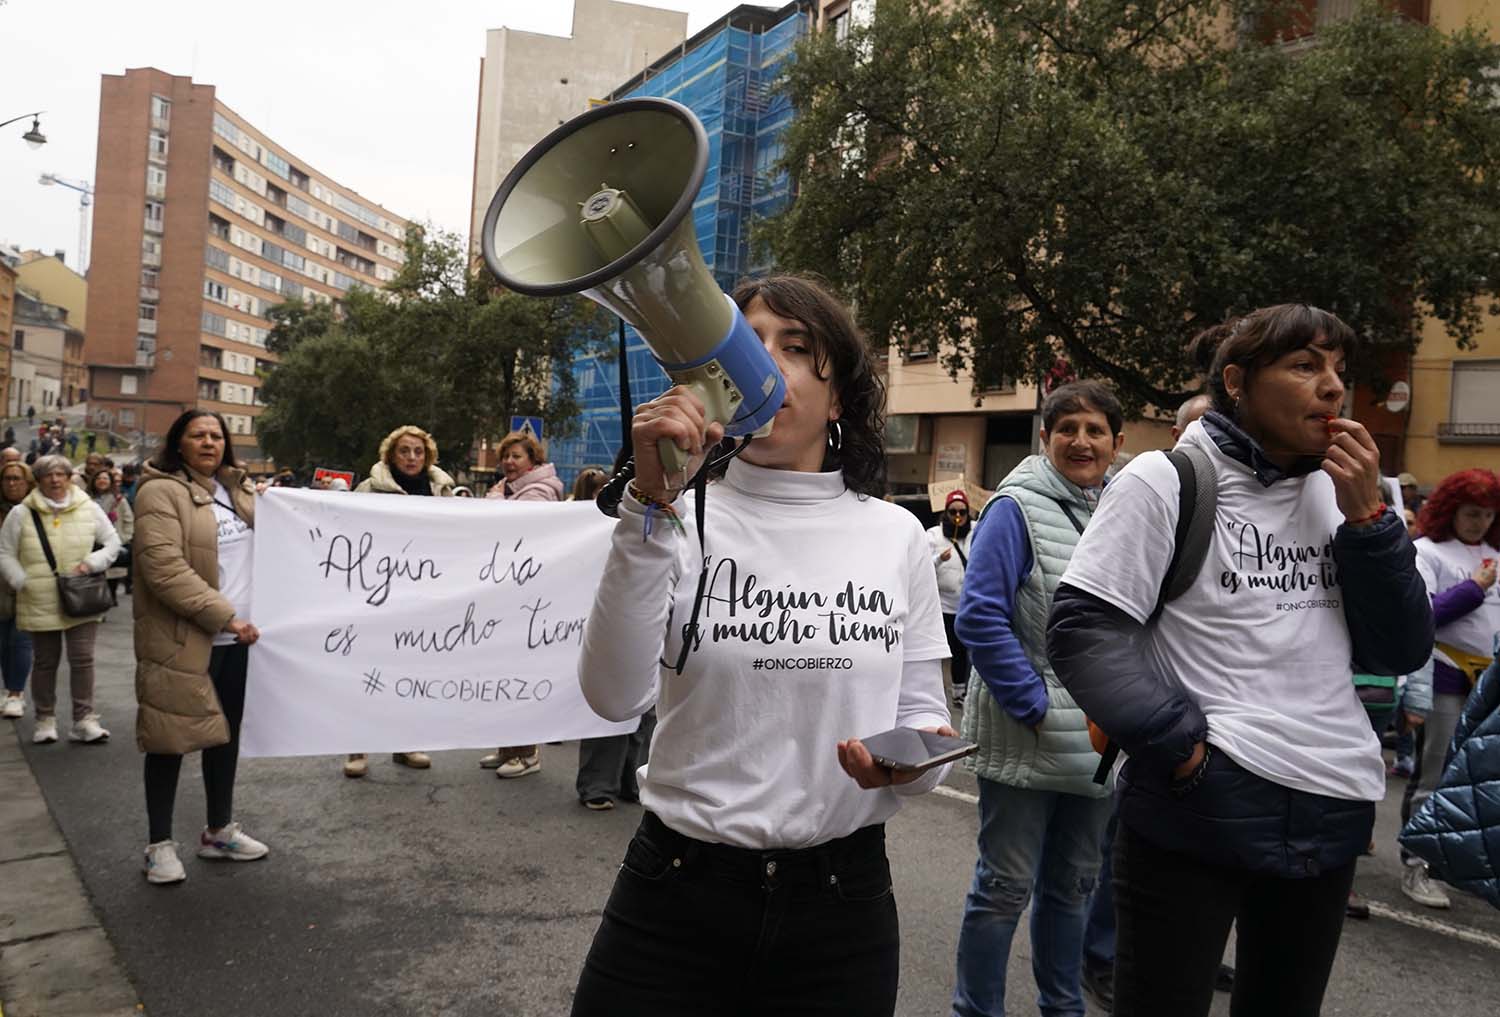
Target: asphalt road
{"x":449,"y":893}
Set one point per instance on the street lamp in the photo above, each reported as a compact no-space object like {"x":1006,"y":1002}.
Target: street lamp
{"x":34,"y":137}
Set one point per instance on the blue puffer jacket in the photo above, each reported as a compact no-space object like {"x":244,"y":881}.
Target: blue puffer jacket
{"x":1457,"y":830}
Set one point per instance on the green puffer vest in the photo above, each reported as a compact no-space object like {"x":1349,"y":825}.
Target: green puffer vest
{"x":1057,"y":757}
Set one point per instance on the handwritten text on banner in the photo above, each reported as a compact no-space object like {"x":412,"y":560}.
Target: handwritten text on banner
{"x":396,"y":624}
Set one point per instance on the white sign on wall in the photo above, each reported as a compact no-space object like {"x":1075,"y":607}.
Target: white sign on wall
{"x":393,"y":624}
{"x":951,"y":459}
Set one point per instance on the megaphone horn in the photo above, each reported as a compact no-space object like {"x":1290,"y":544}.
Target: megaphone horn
{"x":602,"y":206}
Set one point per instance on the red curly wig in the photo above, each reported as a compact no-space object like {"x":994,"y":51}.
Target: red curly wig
{"x":1469,"y":487}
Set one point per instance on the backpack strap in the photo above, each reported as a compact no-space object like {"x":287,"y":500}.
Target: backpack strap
{"x":1197,"y":504}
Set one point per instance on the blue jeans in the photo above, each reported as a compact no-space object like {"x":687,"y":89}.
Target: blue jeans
{"x":1044,"y":841}
{"x":15,"y":655}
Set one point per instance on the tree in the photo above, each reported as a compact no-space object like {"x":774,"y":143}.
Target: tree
{"x":1023,"y":178}
{"x":442,"y":346}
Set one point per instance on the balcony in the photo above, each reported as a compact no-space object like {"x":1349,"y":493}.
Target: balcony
{"x":1469,"y":433}
{"x":146,"y":326}
{"x":150,"y":293}
{"x":153,"y":225}
{"x":151,"y":258}
{"x":156,"y":190}
{"x":160,"y":158}
{"x":161,"y":123}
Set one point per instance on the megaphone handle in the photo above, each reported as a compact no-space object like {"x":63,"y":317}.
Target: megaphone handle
{"x":674,"y":461}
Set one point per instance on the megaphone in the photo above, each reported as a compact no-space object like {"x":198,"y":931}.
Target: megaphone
{"x":601,"y":206}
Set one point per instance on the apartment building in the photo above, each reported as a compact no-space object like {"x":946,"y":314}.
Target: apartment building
{"x":529,"y":82}
{"x":723,"y":74}
{"x":46,"y":361}
{"x":202,"y":223}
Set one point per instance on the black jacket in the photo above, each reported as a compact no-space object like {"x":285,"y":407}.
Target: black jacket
{"x":1233,"y":817}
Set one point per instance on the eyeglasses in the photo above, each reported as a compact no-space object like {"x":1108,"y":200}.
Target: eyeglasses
{"x":958,"y":512}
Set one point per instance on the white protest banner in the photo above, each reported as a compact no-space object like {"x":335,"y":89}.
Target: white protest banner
{"x":393,"y":624}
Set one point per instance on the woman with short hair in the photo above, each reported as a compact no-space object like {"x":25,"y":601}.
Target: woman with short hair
{"x":408,"y":466}
{"x":194,"y":551}
{"x":73,"y":526}
{"x":524,"y":475}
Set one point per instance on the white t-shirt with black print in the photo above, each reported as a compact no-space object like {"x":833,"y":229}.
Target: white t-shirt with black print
{"x":820,"y":622}
{"x":236,"y":557}
{"x":1445,"y":564}
{"x":1259,"y":642}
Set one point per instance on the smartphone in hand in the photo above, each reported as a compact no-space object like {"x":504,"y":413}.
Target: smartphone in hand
{"x":912,"y":751}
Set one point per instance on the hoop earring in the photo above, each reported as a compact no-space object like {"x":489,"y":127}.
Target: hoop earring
{"x":835,"y":436}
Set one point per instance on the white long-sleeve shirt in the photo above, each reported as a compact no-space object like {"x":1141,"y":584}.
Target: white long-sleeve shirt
{"x":10,"y":542}
{"x":820,"y":622}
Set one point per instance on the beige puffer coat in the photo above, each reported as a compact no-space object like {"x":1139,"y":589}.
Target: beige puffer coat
{"x":178,"y":607}
{"x":380,"y":480}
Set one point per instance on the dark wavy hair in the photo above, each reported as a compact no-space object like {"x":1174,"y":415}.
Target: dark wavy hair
{"x":169,"y":459}
{"x":839,"y":352}
{"x":1468,"y":487}
{"x":1259,"y":339}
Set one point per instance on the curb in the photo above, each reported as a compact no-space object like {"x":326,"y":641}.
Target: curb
{"x":55,"y":959}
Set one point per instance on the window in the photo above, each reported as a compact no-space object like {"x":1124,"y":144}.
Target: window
{"x":1474,"y":411}
{"x":161,"y":109}
{"x":223,"y":161}
{"x":218,"y":227}
{"x":147,"y":312}
{"x":215,"y":324}
{"x":150,"y":277}
{"x":127,"y":418}
{"x":128,"y":384}
{"x":215,"y":291}
{"x":297,"y":177}
{"x":20,"y":343}
{"x":272,"y":253}
{"x":226,"y":130}
{"x":214,"y":257}
{"x":158,"y":145}
{"x":220,"y":193}
{"x":342,"y":281}
{"x":276,"y":164}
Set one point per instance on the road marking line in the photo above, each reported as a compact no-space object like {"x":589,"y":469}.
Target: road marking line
{"x":1462,"y":932}
{"x":950,"y":792}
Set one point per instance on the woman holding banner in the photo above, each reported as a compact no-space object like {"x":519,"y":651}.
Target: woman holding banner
{"x":194,"y":544}
{"x":525,"y":475}
{"x":762,"y":851}
{"x":407,"y":465}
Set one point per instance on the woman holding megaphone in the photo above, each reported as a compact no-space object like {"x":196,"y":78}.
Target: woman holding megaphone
{"x":758,"y":880}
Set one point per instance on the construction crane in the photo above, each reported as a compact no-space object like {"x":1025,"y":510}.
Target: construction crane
{"x":85,"y":199}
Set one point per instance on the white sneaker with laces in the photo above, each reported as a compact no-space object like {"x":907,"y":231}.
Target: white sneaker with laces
{"x":162,"y":864}
{"x":1418,"y":885}
{"x":519,"y":766}
{"x":232,"y":844}
{"x":88,"y":730}
{"x":46,"y":731}
{"x":14,"y":708}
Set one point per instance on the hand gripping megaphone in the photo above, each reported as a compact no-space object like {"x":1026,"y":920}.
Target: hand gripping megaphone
{"x":601,"y":206}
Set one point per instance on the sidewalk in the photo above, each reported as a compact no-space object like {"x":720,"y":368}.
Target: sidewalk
{"x":55,"y":960}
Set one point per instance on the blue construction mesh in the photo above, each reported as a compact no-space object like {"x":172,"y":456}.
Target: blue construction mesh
{"x":726,"y":81}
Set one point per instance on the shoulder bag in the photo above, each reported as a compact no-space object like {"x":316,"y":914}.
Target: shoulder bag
{"x":84,"y":596}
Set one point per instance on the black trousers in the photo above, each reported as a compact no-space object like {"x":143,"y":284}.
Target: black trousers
{"x":1173,"y":915}
{"x":959,"y":650}
{"x":226,"y":668}
{"x":693,"y":928}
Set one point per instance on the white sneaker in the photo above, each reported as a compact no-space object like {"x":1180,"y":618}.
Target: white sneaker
{"x":1418,"y":885}
{"x":519,"y":766}
{"x":162,"y":864}
{"x":88,"y":730}
{"x":14,"y":708}
{"x":231,"y":843}
{"x":46,"y":731}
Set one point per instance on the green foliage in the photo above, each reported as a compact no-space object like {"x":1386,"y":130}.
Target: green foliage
{"x":443,"y":346}
{"x":1019,"y":178}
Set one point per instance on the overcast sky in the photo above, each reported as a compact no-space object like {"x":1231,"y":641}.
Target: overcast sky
{"x":379,"y":95}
